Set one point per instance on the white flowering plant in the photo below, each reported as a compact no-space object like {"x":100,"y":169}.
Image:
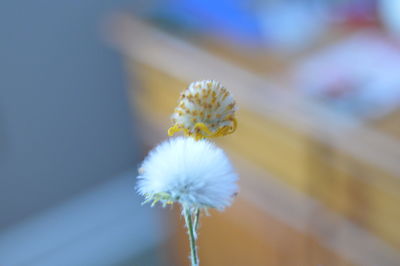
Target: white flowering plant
{"x":191,"y":170}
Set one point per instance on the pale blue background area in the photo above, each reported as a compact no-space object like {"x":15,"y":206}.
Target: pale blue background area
{"x":65,"y":123}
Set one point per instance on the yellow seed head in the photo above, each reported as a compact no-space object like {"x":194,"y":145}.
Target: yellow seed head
{"x":205,"y":109}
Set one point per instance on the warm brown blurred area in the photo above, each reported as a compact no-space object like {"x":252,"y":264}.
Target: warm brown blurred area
{"x":317,"y":145}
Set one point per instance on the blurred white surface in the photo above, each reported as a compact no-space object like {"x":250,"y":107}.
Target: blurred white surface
{"x":104,"y":226}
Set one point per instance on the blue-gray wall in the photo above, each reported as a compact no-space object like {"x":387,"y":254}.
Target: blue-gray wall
{"x":65,"y":122}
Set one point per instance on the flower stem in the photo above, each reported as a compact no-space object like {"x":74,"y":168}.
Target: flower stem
{"x":192,"y":236}
{"x":196,"y":221}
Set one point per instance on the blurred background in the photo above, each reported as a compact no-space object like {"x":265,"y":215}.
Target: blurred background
{"x":88,"y":87}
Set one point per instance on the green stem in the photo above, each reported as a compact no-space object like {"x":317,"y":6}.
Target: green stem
{"x":192,"y":238}
{"x":196,"y":221}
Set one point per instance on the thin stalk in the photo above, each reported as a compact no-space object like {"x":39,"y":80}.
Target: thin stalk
{"x":192,"y":238}
{"x":196,"y":221}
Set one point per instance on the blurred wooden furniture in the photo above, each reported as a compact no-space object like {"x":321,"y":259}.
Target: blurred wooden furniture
{"x":317,"y":188}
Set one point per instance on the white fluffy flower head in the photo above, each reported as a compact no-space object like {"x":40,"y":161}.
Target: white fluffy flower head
{"x":194,"y":173}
